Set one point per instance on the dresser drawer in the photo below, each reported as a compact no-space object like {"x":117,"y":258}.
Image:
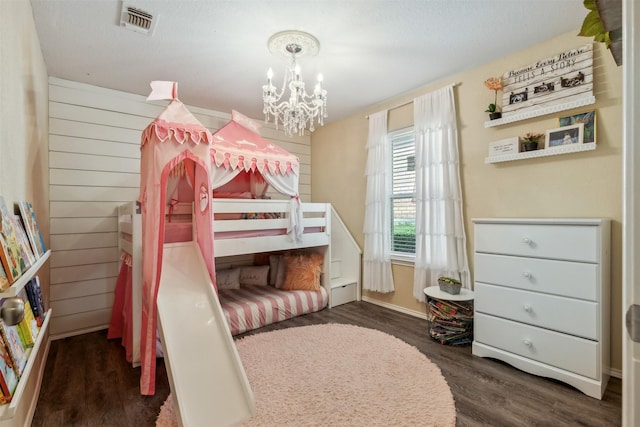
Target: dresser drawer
{"x":570,"y":279}
{"x":552,"y":348}
{"x":561,"y":314}
{"x":563,"y":242}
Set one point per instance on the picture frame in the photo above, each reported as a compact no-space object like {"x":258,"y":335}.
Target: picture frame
{"x":565,"y":135}
{"x":589,"y":120}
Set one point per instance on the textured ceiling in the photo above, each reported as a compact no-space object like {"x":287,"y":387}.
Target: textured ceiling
{"x":370,"y":50}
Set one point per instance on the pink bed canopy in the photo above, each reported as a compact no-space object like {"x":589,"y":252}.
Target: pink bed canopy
{"x":238,"y":152}
{"x":174,"y":136}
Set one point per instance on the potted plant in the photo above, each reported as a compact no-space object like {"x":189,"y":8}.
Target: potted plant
{"x":449,"y":285}
{"x":530,"y":141}
{"x":494,"y":84}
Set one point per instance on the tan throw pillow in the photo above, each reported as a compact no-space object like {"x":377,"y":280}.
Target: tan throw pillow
{"x":257,"y":275}
{"x":228,"y":279}
{"x":302,"y":271}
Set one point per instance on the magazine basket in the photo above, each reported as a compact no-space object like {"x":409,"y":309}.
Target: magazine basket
{"x":450,"y":288}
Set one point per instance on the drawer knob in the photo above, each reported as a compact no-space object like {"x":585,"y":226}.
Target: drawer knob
{"x":526,"y":342}
{"x":526,"y":240}
{"x":527,"y":308}
{"x":526,"y":274}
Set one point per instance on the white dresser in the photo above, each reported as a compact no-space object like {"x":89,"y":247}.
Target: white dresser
{"x":542,"y":297}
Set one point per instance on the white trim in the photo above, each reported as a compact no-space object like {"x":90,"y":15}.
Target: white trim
{"x":615,"y":373}
{"x":78,"y":332}
{"x":395,"y":307}
{"x":403,"y":259}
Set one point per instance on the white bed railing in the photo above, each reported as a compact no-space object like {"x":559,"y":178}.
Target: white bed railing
{"x":267,"y":234}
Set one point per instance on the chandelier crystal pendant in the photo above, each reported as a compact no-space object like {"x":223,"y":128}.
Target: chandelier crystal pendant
{"x":299,"y":109}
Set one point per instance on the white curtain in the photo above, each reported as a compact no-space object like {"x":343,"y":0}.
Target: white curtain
{"x":288,"y":184}
{"x":221,"y":175}
{"x":440,"y":236}
{"x":376,"y":275}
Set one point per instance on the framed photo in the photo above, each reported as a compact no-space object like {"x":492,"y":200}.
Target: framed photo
{"x":566,"y":135}
{"x":589,"y":120}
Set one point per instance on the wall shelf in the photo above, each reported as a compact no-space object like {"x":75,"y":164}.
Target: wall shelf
{"x":19,"y":412}
{"x":541,"y":111}
{"x":17,"y":286}
{"x":566,"y":149}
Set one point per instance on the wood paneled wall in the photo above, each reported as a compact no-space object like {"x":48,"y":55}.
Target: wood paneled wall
{"x":94,"y":165}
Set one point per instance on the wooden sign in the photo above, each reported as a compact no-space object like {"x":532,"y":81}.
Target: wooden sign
{"x":560,"y":79}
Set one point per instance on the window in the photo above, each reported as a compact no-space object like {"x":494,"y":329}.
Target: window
{"x":403,"y":193}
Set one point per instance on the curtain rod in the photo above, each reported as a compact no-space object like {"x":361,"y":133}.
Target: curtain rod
{"x":409,"y":102}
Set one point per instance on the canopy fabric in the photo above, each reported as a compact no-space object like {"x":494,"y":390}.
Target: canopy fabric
{"x":238,"y":146}
{"x":177,"y":123}
{"x":174,"y":136}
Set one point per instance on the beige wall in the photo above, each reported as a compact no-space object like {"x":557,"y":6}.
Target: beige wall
{"x":587,"y":184}
{"x":23,"y":115}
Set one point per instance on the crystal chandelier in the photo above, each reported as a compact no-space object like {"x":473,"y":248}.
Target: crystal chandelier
{"x":299,"y":109}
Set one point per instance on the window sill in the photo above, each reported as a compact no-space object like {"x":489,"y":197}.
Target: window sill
{"x":403,"y":259}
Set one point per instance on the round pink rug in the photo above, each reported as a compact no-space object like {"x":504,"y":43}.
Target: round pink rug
{"x":339,"y":375}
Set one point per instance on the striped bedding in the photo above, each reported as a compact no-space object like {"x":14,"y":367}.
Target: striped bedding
{"x":252,"y":307}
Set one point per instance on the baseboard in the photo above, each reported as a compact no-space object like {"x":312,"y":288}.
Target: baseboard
{"x":615,"y":373}
{"x":78,"y":332}
{"x":395,"y":307}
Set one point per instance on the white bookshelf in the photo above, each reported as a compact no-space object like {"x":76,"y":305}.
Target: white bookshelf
{"x":19,"y":412}
{"x":17,"y":286}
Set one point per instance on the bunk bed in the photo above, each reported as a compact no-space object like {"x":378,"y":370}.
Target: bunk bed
{"x":246,"y":222}
{"x":169,"y":287}
{"x":236,"y":241}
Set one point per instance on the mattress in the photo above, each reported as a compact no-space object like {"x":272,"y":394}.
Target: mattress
{"x":252,"y":307}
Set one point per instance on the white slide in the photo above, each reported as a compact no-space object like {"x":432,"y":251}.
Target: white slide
{"x":208,"y":382}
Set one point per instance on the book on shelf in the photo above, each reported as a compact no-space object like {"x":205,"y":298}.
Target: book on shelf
{"x":4,"y":280}
{"x":34,"y":295}
{"x":8,"y":377}
{"x":10,"y":252}
{"x":13,"y":342}
{"x":29,"y":325}
{"x":25,"y":246}
{"x":32,"y":228}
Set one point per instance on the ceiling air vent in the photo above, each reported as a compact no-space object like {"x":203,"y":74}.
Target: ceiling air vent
{"x":137,"y":20}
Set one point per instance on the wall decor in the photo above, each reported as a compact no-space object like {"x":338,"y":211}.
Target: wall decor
{"x":589,"y":120}
{"x":566,"y":135}
{"x":560,"y":79}
{"x":504,"y":146}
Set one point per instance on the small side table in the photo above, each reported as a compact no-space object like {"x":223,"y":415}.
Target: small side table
{"x":450,"y":316}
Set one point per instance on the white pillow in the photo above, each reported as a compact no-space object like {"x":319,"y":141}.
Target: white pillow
{"x":257,"y":275}
{"x":228,"y":279}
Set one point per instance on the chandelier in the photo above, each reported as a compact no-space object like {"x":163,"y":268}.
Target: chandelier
{"x":298,"y":109}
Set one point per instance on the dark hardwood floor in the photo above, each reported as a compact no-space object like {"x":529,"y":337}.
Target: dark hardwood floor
{"x":87,"y":381}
